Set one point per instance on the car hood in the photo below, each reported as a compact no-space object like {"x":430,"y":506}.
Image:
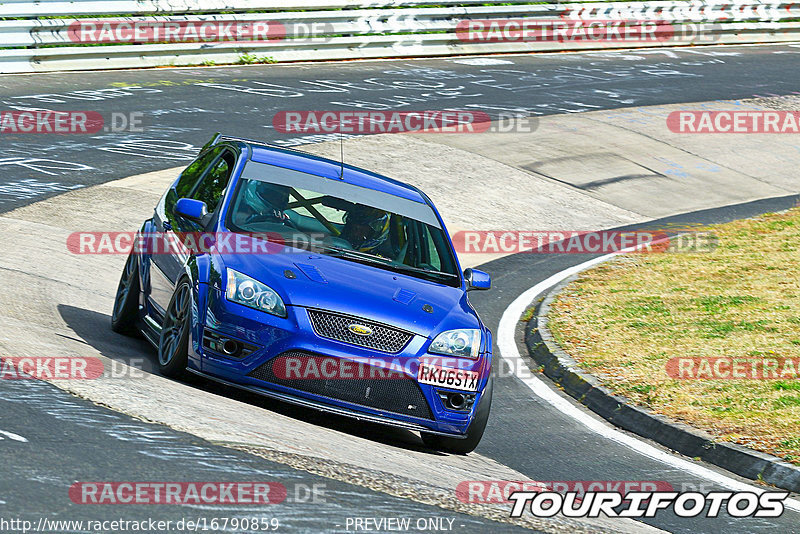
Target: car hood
{"x":351,"y":288}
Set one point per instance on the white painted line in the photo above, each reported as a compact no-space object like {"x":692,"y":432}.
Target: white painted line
{"x":508,"y":351}
{"x":482,"y":61}
{"x":11,"y":435}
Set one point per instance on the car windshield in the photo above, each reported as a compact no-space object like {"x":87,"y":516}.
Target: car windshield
{"x":343,"y":220}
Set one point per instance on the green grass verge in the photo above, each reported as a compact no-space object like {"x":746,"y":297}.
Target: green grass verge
{"x":625,"y":320}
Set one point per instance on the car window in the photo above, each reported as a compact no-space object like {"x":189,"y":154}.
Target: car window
{"x":303,"y":201}
{"x":433,"y":258}
{"x":193,"y":172}
{"x":215,"y":181}
{"x":186,"y":184}
{"x":338,"y":225}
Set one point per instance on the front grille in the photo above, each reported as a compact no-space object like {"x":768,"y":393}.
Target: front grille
{"x":335,"y":326}
{"x":393,"y":393}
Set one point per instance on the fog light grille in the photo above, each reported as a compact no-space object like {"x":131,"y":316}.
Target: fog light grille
{"x":393,"y":393}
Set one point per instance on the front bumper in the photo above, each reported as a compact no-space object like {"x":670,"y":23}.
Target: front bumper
{"x":270,"y":337}
{"x":361,"y":416}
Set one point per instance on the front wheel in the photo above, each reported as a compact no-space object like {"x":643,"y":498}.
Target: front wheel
{"x":173,"y":345}
{"x":125,"y":316}
{"x":474,"y":432}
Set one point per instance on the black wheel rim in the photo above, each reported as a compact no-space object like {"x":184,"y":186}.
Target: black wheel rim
{"x":124,"y":288}
{"x":176,"y":324}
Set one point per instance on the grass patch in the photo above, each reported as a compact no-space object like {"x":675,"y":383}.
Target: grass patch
{"x":528,"y":315}
{"x":644,"y":307}
{"x":786,"y":401}
{"x":720,"y":303}
{"x":252,"y":59}
{"x":786,"y":386}
{"x":624,"y":320}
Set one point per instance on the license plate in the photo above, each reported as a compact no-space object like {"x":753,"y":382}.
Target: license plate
{"x":447,"y":378}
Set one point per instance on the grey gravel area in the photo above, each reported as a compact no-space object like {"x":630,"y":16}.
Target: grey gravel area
{"x":782,"y":103}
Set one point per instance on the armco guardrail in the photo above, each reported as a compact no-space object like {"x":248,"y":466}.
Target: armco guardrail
{"x":61,"y":8}
{"x":344,"y":29}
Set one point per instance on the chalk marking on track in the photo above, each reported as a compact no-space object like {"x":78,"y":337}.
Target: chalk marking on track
{"x":11,"y":435}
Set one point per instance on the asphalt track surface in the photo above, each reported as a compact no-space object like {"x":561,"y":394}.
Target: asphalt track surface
{"x":71,"y":439}
{"x":182,"y":107}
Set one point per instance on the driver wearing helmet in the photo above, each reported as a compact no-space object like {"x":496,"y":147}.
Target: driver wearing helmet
{"x":367,"y":230}
{"x":265,"y":202}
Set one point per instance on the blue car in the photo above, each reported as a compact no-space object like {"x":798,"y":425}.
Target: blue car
{"x":314,"y":282}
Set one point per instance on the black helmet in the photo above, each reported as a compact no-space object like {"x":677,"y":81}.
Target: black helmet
{"x":266,"y":198}
{"x":366,"y":228}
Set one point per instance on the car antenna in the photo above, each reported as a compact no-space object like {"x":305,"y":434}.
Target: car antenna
{"x":341,"y":152}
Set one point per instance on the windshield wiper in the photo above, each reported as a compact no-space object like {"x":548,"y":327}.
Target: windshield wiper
{"x":380,"y":260}
{"x":339,"y":251}
{"x":409,"y":268}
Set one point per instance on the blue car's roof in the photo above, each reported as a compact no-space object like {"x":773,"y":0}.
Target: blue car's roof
{"x":309,"y":163}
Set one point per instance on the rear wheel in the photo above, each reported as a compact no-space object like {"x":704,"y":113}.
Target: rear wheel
{"x":173,"y":345}
{"x":125,"y":316}
{"x":474,"y":432}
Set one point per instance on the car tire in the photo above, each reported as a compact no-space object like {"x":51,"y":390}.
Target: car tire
{"x":125,"y":316}
{"x":474,"y":432}
{"x":173,"y":343}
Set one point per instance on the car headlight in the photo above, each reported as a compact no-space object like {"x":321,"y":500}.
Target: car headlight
{"x":250,"y":292}
{"x":464,"y":343}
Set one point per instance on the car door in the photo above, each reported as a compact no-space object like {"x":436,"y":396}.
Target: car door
{"x":168,"y":261}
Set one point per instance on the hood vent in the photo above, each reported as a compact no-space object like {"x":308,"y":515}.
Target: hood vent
{"x":312,"y":273}
{"x":404,"y":296}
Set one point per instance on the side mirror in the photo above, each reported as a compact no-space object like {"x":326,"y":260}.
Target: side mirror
{"x":191,"y":209}
{"x":477,"y":279}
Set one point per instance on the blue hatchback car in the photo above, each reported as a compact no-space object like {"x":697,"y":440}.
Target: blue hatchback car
{"x":314,"y":282}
